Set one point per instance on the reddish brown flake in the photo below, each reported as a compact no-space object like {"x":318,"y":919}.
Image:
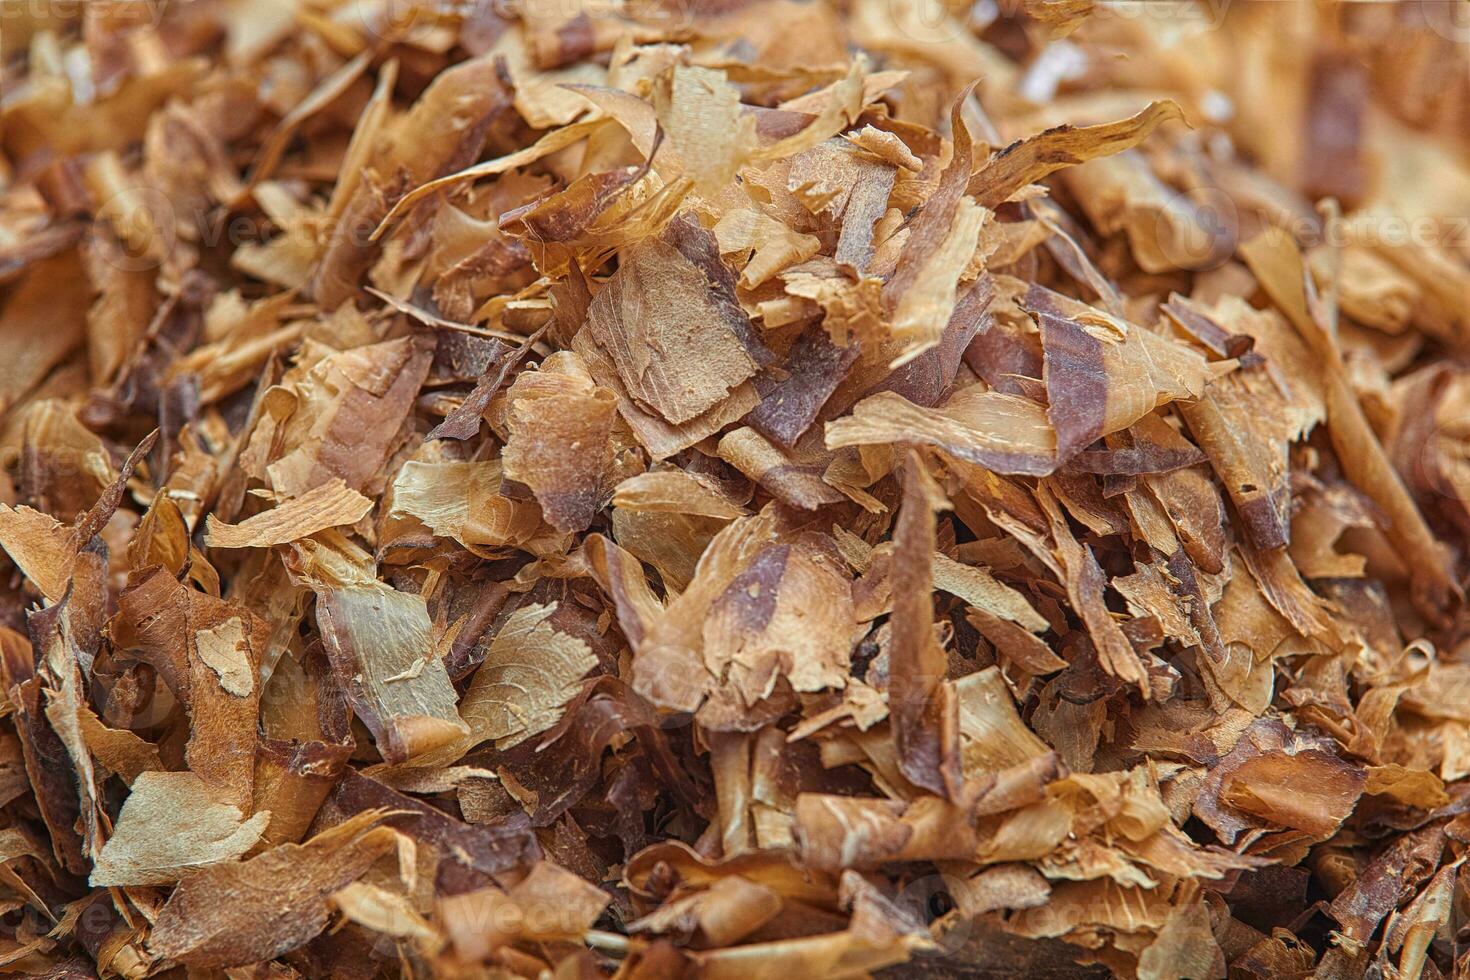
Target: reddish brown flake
{"x":733,"y":488}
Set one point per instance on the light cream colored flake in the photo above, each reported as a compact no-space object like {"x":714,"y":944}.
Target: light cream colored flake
{"x":330,"y":505}
{"x":223,"y":648}
{"x":169,"y":826}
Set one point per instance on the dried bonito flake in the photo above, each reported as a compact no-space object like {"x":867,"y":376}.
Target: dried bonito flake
{"x":212,"y":919}
{"x":670,"y":323}
{"x":168,"y":827}
{"x":382,"y":653}
{"x":746,"y":488}
{"x":560,"y":442}
{"x":329,"y":505}
{"x":529,"y":673}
